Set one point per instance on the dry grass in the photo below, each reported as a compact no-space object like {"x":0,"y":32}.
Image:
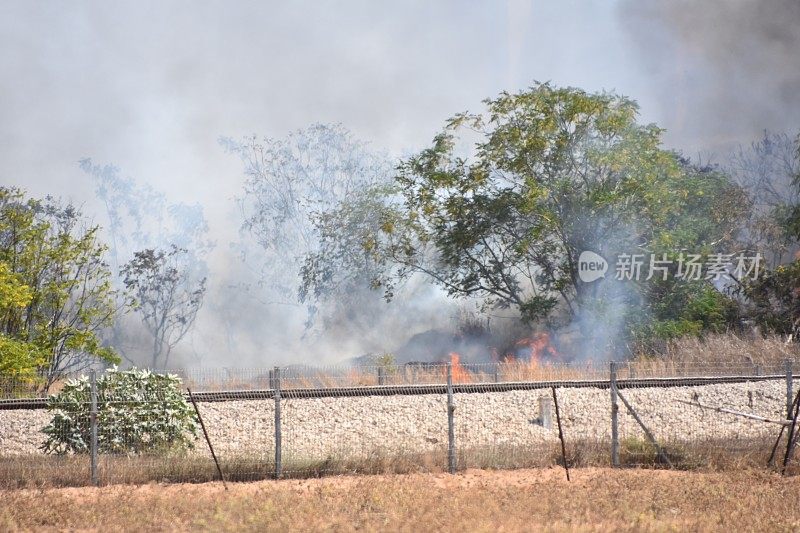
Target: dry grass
{"x":521,"y":500}
{"x":726,"y":349}
{"x":721,"y":354}
{"x":713,"y":354}
{"x":65,"y":471}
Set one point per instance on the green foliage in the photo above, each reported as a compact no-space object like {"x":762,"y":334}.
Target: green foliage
{"x":18,"y":358}
{"x":13,"y":294}
{"x":640,"y":451}
{"x":551,"y":172}
{"x":702,"y":212}
{"x":774,"y":299}
{"x":138,"y":412}
{"x":677,"y":308}
{"x":352,"y":248}
{"x":54,"y":284}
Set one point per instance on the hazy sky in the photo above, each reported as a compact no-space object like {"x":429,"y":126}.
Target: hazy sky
{"x":151,"y":86}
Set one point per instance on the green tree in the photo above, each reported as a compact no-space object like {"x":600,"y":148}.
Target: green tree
{"x":772,"y":301}
{"x":502,"y":204}
{"x":49,"y":250}
{"x":18,"y":359}
{"x":351,"y":253}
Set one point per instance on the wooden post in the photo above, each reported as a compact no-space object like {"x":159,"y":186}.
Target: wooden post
{"x":381,"y":376}
{"x":561,"y":434}
{"x":93,"y":423}
{"x":451,"y":430}
{"x":789,"y":389}
{"x":791,"y":440}
{"x":208,"y":440}
{"x":276,"y":383}
{"x":614,"y":417}
{"x":783,"y":427}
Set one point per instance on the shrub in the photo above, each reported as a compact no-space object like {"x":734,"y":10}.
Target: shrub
{"x":775,"y":299}
{"x":138,"y":412}
{"x":639,"y":451}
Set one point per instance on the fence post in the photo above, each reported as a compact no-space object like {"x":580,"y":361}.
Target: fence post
{"x":381,"y":376}
{"x":545,"y":412}
{"x":276,"y":385}
{"x":789,"y":389}
{"x":614,"y":417}
{"x":451,"y":430}
{"x":93,"y":423}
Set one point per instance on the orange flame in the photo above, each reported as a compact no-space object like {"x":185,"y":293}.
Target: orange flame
{"x":460,"y":374}
{"x":540,"y":346}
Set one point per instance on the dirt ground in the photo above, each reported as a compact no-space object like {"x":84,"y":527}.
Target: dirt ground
{"x":595,"y":500}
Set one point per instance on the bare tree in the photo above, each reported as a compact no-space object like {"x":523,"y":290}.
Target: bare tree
{"x":139,"y":217}
{"x":766,"y":170}
{"x":166,"y":296}
{"x":291,"y":180}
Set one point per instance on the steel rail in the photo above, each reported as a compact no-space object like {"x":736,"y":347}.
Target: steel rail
{"x":413,"y":390}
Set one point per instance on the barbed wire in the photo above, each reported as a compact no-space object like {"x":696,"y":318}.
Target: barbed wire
{"x":308,"y":421}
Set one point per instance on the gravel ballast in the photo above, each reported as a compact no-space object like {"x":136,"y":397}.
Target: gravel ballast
{"x":318,"y":428}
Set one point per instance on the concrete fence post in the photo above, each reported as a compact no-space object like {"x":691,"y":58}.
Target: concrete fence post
{"x":546,"y":412}
{"x":276,"y":385}
{"x":93,"y":426}
{"x":451,"y":430}
{"x":789,"y":388}
{"x":614,"y":416}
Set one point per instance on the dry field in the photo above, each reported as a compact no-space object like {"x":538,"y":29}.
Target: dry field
{"x":476,"y":500}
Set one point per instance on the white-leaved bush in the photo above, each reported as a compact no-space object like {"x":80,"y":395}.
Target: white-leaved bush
{"x":139,"y":412}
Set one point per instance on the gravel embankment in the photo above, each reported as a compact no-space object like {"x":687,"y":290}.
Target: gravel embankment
{"x":324,"y":427}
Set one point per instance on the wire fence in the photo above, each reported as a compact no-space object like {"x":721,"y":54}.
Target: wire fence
{"x":299,"y":421}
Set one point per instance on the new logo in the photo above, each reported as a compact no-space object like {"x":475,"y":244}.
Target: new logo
{"x":591,"y":266}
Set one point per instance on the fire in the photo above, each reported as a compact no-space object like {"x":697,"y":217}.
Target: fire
{"x":540,"y":347}
{"x":460,"y":374}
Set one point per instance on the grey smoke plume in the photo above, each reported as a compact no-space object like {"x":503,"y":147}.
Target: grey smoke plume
{"x":722,"y":71}
{"x":151,"y":86}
